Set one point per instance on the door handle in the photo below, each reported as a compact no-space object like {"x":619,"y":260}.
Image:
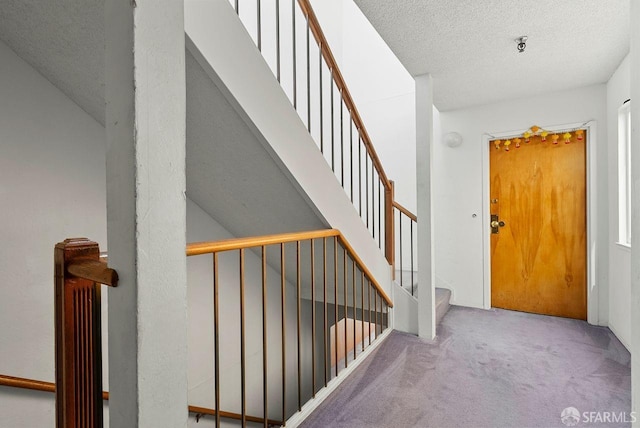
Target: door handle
{"x":496,"y":223}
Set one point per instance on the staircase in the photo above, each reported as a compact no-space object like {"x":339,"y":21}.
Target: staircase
{"x":263,"y":159}
{"x":408,"y":282}
{"x":282,"y":89}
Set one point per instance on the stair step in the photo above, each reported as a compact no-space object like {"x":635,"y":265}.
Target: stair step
{"x":443,"y":296}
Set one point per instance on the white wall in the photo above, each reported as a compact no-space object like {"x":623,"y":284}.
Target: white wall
{"x":618,"y":91}
{"x":458,"y":177}
{"x":52,"y":187}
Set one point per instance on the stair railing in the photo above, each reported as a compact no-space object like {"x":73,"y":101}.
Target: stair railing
{"x":317,"y":267}
{"x":406,"y":244}
{"x":324,"y":268}
{"x":310,"y":76}
{"x":306,"y":71}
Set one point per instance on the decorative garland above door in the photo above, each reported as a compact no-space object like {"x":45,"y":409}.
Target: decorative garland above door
{"x":544,"y":135}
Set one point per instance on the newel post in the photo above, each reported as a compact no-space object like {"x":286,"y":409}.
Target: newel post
{"x":389,"y":226}
{"x":78,"y":344}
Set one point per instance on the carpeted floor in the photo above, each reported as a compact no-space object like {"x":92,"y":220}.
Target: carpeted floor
{"x":487,"y":369}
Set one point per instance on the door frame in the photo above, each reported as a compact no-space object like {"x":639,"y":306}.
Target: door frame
{"x":591,"y":141}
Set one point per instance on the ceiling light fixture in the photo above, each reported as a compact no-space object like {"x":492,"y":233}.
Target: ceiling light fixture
{"x":522,"y":43}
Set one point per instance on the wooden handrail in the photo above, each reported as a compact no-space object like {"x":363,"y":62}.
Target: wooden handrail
{"x":200,"y":248}
{"x":314,"y":25}
{"x":94,"y":270}
{"x":34,"y":385}
{"x":19,"y":382}
{"x":39,"y":385}
{"x":405,"y":211}
{"x":231,"y":415}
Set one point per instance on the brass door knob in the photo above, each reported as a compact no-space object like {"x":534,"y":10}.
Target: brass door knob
{"x":495,"y":223}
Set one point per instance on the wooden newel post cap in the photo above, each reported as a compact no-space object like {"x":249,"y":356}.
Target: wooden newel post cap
{"x":81,"y":258}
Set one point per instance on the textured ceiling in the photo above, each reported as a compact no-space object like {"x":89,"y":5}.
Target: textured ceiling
{"x":468,"y":45}
{"x":64,"y":41}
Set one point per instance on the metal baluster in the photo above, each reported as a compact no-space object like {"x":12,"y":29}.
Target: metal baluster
{"x":359,"y":173}
{"x":362,"y":305}
{"x":381,"y":314}
{"x":366,"y":185}
{"x":321,"y":100}
{"x":369,"y":307}
{"x":284,"y":333}
{"x":373,"y":201}
{"x":278,"y":40}
{"x":216,"y":337}
{"x":401,"y":265}
{"x":412,"y":282}
{"x":375,"y":311}
{"x":346,"y":303}
{"x":313,"y":319}
{"x":237,"y":8}
{"x":264,"y":336}
{"x":259,"y":26}
{"x":351,"y":153}
{"x":379,"y":215}
{"x":308,"y":81}
{"x":354,"y":308}
{"x":324,"y":294}
{"x":378,"y":323}
{"x":335,"y":297}
{"x":243,"y":392}
{"x":299,"y":296}
{"x":293,"y":26}
{"x":341,"y":141}
{"x":333,"y":157}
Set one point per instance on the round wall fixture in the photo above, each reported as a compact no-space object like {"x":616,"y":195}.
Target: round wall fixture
{"x":452,"y":139}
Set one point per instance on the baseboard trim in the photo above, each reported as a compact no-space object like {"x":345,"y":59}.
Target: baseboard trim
{"x":324,"y":393}
{"x":613,"y":330}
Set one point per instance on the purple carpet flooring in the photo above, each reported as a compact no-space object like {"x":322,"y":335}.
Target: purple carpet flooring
{"x":488,"y":369}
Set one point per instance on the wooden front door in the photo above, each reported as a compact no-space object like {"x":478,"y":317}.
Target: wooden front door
{"x":539,"y":255}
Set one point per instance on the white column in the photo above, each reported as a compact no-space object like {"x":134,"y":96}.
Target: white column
{"x":424,"y":144}
{"x":146,"y":212}
{"x":635,"y":209}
